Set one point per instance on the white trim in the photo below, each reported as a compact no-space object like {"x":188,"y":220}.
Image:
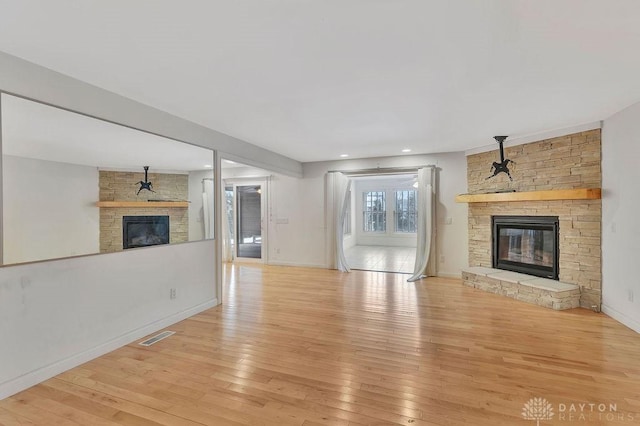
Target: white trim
{"x":41,"y":374}
{"x":296,"y":264}
{"x":218,"y":216}
{"x":244,"y":260}
{"x":536,"y":137}
{"x":621,"y":318}
{"x":450,"y":275}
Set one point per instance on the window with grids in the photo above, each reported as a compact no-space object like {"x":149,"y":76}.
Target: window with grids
{"x":346,"y":225}
{"x":374,"y":211}
{"x":405,"y":214}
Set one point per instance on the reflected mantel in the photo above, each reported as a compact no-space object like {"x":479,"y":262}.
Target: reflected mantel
{"x":144,"y":204}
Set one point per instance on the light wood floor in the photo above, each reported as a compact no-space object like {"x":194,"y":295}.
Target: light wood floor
{"x":295,"y":346}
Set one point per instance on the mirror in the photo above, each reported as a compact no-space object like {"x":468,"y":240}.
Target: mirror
{"x":75,"y":185}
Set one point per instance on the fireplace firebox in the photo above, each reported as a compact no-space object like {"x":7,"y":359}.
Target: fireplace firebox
{"x":526,"y":244}
{"x":142,"y":231}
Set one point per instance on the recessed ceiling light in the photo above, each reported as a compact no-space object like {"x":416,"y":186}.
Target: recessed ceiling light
{"x":208,"y":165}
{"x":406,"y":150}
{"x":344,"y":155}
{"x":229,"y":162}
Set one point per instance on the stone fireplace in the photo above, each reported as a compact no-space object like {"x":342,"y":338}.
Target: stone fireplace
{"x":561,"y":163}
{"x":120,"y":186}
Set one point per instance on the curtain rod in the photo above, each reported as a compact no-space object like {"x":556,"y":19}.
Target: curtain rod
{"x":382,"y":170}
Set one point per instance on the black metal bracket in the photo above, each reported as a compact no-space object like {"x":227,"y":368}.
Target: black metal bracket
{"x":502,"y":166}
{"x":145,"y":184}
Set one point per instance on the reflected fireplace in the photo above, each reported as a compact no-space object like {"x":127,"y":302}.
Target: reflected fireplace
{"x":142,"y":231}
{"x":526,"y":244}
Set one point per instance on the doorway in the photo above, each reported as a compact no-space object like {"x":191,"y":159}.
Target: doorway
{"x":244,"y":231}
{"x":248,"y":221}
{"x":380,"y":225}
{"x":245,"y":225}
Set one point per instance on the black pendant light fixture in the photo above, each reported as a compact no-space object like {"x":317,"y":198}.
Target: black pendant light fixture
{"x":145,"y":184}
{"x":502,"y":166}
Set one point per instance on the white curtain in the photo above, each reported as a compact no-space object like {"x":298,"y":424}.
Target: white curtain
{"x":338,"y":186}
{"x":425,"y":265}
{"x":227,"y":245}
{"x":207,"y":208}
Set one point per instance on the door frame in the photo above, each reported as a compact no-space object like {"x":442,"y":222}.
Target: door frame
{"x":264,"y":224}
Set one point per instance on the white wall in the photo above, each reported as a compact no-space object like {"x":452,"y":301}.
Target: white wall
{"x":302,"y":203}
{"x":620,"y":212}
{"x":49,"y":210}
{"x":196,"y":212}
{"x":56,"y":315}
{"x":244,"y":172}
{"x":293,"y":240}
{"x":287,"y":234}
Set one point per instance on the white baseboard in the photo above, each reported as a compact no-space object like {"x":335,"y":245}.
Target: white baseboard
{"x":621,"y":318}
{"x":41,"y":374}
{"x":316,"y":265}
{"x":450,"y":274}
{"x":301,"y":265}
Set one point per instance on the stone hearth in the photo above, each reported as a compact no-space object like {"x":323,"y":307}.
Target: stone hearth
{"x":538,"y":291}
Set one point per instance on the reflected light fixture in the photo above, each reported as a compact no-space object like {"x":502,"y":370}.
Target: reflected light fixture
{"x":208,"y":166}
{"x":145,"y":184}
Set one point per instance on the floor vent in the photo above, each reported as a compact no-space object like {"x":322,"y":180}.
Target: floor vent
{"x":150,"y":341}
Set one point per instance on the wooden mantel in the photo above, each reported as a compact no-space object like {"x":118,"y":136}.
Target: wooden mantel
{"x":550,"y":195}
{"x":144,"y":204}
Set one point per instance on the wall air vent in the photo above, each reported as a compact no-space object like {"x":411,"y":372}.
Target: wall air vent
{"x":150,"y":341}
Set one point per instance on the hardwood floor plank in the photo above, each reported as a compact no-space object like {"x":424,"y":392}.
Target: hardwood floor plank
{"x":8,"y":418}
{"x":300,"y":346}
{"x":24,"y":406}
{"x":128,"y":412}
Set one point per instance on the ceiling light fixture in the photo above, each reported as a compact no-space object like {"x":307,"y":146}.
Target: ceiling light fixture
{"x":344,"y":155}
{"x":208,"y":166}
{"x":503,"y":165}
{"x":406,"y":150}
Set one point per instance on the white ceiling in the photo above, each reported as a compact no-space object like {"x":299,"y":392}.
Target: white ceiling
{"x":34,"y":130}
{"x":315,"y":79}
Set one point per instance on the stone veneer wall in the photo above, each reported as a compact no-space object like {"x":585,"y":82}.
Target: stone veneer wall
{"x":566,"y":162}
{"x":121,"y":186}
